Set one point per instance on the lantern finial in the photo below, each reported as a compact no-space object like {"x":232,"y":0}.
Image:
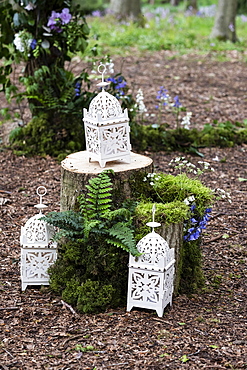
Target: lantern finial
{"x":41,"y":191}
{"x":153,"y":224}
{"x":102,"y":70}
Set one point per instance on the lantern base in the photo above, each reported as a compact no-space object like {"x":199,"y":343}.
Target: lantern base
{"x":102,"y":161}
{"x":25,"y":284}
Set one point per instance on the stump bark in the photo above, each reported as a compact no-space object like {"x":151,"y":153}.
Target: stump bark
{"x":77,"y":171}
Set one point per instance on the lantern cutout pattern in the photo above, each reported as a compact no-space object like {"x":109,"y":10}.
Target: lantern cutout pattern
{"x":151,"y":275}
{"x":107,"y":128}
{"x":38,"y":251}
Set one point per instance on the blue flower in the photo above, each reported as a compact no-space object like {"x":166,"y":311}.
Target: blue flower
{"x":119,"y":85}
{"x":78,"y":88}
{"x":177,"y":103}
{"x":33,"y":44}
{"x":162,"y":95}
{"x":193,"y":233}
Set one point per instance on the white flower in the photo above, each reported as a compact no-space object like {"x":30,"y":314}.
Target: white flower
{"x":30,"y":6}
{"x":110,"y":66}
{"x":21,"y":43}
{"x":189,"y":200}
{"x":140,"y":102}
{"x":186,"y":120}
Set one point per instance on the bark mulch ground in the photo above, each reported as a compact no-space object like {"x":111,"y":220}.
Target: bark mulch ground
{"x":203,"y":331}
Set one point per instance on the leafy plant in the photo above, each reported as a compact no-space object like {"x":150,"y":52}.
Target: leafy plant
{"x":91,"y":270}
{"x":95,"y":220}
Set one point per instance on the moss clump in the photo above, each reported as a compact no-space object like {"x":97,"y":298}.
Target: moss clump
{"x":169,"y":188}
{"x":166,"y":213}
{"x":226,"y":134}
{"x":53,"y":134}
{"x":90,"y":277}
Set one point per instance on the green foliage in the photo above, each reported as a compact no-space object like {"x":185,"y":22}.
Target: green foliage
{"x":158,"y":138}
{"x":93,"y":296}
{"x":166,"y":28}
{"x":95,"y":220}
{"x":90,"y":272}
{"x":56,"y":135}
{"x":169,"y":188}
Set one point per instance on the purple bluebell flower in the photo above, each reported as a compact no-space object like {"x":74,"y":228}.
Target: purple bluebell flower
{"x":193,"y":220}
{"x":177,"y":103}
{"x":53,"y":19}
{"x":194,"y":232}
{"x":96,"y":13}
{"x":119,"y":84}
{"x":65,"y":16}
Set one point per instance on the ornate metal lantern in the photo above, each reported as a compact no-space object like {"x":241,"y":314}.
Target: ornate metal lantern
{"x":38,"y":252}
{"x":151,"y":275}
{"x":106,"y":127}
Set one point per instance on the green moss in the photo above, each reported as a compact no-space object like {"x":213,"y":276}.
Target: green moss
{"x":147,"y":137}
{"x":169,"y":188}
{"x":49,"y":134}
{"x":95,"y":296}
{"x":166,"y":213}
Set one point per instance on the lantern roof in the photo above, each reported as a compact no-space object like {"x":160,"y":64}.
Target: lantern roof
{"x":104,"y":105}
{"x":37,"y":233}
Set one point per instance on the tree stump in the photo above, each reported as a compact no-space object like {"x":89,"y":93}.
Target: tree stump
{"x":77,"y":171}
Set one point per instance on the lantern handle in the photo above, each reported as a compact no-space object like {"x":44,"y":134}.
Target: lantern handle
{"x":38,"y":191}
{"x":153,"y":224}
{"x":102,"y":71}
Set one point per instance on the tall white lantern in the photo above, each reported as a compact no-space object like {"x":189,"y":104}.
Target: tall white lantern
{"x":38,"y":251}
{"x":151,"y":276}
{"x":107,"y":128}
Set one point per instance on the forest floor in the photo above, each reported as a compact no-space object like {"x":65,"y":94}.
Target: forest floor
{"x":202,"y":331}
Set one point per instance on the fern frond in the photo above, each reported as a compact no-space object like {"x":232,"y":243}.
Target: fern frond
{"x":99,"y":194}
{"x":70,"y":223}
{"x":120,"y":213}
{"x":89,"y":226}
{"x":123,"y":237}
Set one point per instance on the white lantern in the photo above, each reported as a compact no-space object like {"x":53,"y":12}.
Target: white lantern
{"x":107,"y":129}
{"x":38,"y":252}
{"x":151,"y":276}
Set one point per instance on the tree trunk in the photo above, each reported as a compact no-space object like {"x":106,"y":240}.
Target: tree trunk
{"x":192,"y":4}
{"x":126,"y":8}
{"x":224,"y":24}
{"x":174,"y":2}
{"x":173,"y":234}
{"x":77,"y":171}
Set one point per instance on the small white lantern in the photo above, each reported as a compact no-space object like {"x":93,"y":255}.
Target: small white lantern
{"x":38,"y":252}
{"x":107,"y":128}
{"x":151,"y":276}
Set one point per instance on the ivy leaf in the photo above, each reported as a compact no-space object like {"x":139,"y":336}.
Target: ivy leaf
{"x":241,"y":179}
